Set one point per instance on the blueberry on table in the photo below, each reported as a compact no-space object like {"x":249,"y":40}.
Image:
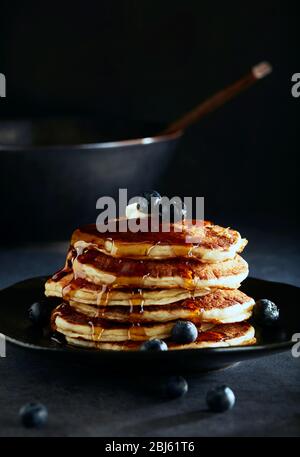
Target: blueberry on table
{"x":33,"y":415}
{"x":220,"y":399}
{"x":184,"y":332}
{"x":39,"y":313}
{"x":265,"y":312}
{"x":176,"y":386}
{"x":154,"y":345}
{"x":151,"y":196}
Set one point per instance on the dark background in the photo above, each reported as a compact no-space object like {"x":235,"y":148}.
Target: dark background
{"x":154,"y":60}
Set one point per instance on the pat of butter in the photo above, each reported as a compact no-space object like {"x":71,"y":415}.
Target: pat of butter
{"x":132,"y":212}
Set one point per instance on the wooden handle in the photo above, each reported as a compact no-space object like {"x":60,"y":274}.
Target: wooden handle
{"x":258,"y":72}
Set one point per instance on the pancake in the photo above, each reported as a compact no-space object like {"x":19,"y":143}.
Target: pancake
{"x":82,"y":291}
{"x":220,"y":306}
{"x":190,"y":274}
{"x":118,"y":289}
{"x":240,"y":334}
{"x":54,"y":287}
{"x":66,"y":320}
{"x":213,"y":243}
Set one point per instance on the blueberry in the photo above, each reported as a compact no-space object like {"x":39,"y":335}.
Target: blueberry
{"x":184,"y":332}
{"x":58,"y":338}
{"x":265,"y":312}
{"x":39,"y":313}
{"x":148,"y":197}
{"x":154,"y":345}
{"x":174,"y":212}
{"x":220,"y":399}
{"x":176,"y":386}
{"x":178,"y":212}
{"x":148,"y":194}
{"x":33,"y":415}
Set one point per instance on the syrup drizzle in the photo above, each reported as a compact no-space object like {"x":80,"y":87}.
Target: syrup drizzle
{"x":86,"y":251}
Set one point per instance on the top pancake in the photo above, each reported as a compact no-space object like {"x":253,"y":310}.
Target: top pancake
{"x":210,"y":243}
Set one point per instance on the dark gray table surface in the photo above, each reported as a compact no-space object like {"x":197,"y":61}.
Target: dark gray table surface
{"x":84,"y":402}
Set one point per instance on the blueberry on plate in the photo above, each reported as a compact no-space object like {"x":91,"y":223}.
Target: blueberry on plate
{"x":176,"y":386}
{"x":220,"y":399}
{"x":154,"y":345}
{"x":59,"y":338}
{"x":184,"y":332}
{"x":39,"y":313}
{"x":265,"y":312}
{"x":33,"y":415}
{"x":148,"y":197}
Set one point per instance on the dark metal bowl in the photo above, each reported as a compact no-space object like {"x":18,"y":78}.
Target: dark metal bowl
{"x":54,"y":170}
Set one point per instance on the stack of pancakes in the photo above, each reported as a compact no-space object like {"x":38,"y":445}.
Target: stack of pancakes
{"x":119,"y":289}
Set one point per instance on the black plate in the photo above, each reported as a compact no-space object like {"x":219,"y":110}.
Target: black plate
{"x":14,"y":323}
